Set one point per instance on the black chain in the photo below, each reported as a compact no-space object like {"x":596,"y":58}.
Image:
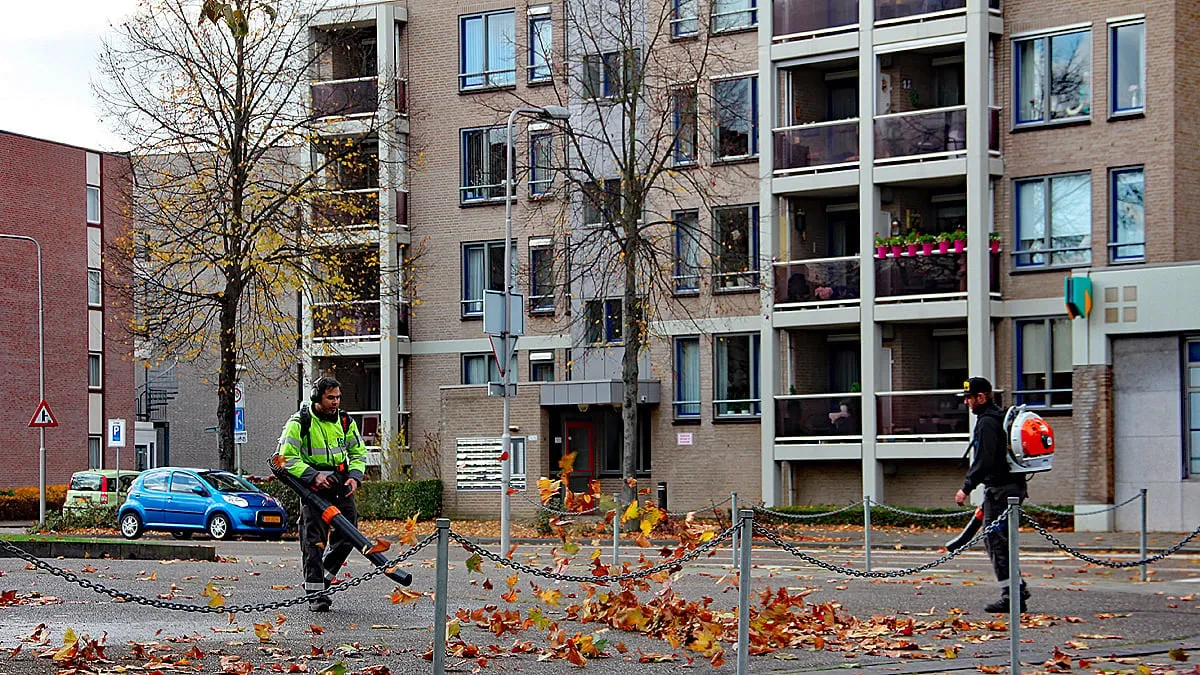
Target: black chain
{"x":581,"y":579}
{"x":893,"y":509}
{"x":1060,"y":512}
{"x":1109,"y":563}
{"x":205,"y":609}
{"x":585,"y":512}
{"x":714,"y":505}
{"x":806,"y":516}
{"x":1000,"y":521}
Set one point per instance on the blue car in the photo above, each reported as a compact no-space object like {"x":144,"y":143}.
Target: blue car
{"x":186,"y":501}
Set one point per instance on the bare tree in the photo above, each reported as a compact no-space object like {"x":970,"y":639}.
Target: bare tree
{"x":214,"y":101}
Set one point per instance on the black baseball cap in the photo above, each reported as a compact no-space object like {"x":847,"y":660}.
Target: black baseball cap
{"x":976,"y":385}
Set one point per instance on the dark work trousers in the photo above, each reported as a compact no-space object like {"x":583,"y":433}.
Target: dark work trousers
{"x":323,"y":548}
{"x":995,"y":500}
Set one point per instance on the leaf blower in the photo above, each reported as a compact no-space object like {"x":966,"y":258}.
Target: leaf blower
{"x":969,"y":531}
{"x":373,"y":550}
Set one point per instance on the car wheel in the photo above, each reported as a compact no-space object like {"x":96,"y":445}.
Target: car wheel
{"x":218,"y":527}
{"x":177,"y":534}
{"x":131,"y":525}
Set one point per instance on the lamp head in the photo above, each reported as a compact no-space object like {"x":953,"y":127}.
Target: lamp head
{"x":555,"y":112}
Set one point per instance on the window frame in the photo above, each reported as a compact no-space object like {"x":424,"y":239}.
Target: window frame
{"x":1048,"y":252}
{"x":677,"y":278}
{"x":535,"y":366}
{"x":603,"y":324}
{"x":492,"y":192}
{"x":1046,"y":118}
{"x":95,"y":452}
{"x":98,"y":286}
{"x":682,"y":118}
{"x":752,"y":141}
{"x":751,"y":10}
{"x":94,"y":220}
{"x":1113,"y":244}
{"x":753,"y":268}
{"x":539,"y":51}
{"x":613,"y":200}
{"x":1047,"y":394}
{"x":95,"y":383}
{"x":686,"y":409}
{"x":755,"y":402}
{"x":539,"y":289}
{"x":679,"y":20}
{"x":612,"y":79}
{"x":541,"y":187}
{"x":490,"y":363}
{"x":486,"y":74}
{"x":487,"y":246}
{"x":1113,"y":110}
{"x":1191,"y":453}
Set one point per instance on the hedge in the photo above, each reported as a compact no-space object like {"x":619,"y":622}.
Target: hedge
{"x":22,"y":503}
{"x":376,"y":500}
{"x":884,"y":517}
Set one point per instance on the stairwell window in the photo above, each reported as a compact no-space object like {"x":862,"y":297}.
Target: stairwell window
{"x":95,"y":370}
{"x":610,"y":75}
{"x":541,"y":163}
{"x":93,"y":205}
{"x":95,"y":452}
{"x":602,"y":202}
{"x":94,"y":296}
{"x":541,"y":277}
{"x":487,"y":54}
{"x":603,"y":319}
{"x":735,"y":376}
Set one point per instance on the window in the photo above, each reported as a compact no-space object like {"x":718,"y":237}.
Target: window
{"x":541,"y":277}
{"x":516,"y":467}
{"x":687,"y":378}
{"x":480,"y":369}
{"x":183,"y":483}
{"x":733,"y":14}
{"x":1053,"y":77}
{"x":93,"y":204}
{"x":541,"y":33}
{"x":94,"y":288}
{"x":486,"y":50}
{"x":1192,"y":359}
{"x":1054,"y":220}
{"x":156,"y":482}
{"x":1128,"y":236}
{"x":541,"y":369}
{"x":601,"y":203}
{"x":483,"y":269}
{"x":736,"y":103}
{"x":95,"y":371}
{"x":1127,"y":63}
{"x":684,"y":104}
{"x":687,"y":251}
{"x":608,"y":75}
{"x":541,"y":163}
{"x":95,"y":453}
{"x":483,"y":167}
{"x":685,"y":19}
{"x":735,"y":233}
{"x":952,"y":368}
{"x":1044,"y":362}
{"x":735,"y":376}
{"x":603,"y":319}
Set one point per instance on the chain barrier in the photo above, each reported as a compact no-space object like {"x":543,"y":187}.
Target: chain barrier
{"x":1060,"y":512}
{"x":704,"y":548}
{"x":806,"y":516}
{"x":713,"y":506}
{"x":205,"y":609}
{"x":893,"y":509}
{"x":585,"y":512}
{"x":851,"y":572}
{"x":1109,"y":563}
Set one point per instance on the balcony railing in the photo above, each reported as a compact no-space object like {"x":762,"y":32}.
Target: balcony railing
{"x":795,"y":17}
{"x":919,"y":415}
{"x":822,"y":281}
{"x":921,"y":132}
{"x":929,"y":277}
{"x":813,"y":418}
{"x":823,"y":144}
{"x":346,"y":321}
{"x":346,"y":208}
{"x":354,"y":96}
{"x":888,"y":10}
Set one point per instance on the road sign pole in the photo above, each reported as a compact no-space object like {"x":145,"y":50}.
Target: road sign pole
{"x":41,"y":378}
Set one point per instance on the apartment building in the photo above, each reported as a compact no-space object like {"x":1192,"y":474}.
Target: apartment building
{"x":1056,"y":129}
{"x":69,"y":200}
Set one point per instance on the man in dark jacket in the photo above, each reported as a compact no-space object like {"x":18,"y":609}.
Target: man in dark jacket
{"x":990,"y":469}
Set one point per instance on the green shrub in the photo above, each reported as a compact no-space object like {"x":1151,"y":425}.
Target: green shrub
{"x":92,"y":516}
{"x":881,"y":517}
{"x":376,"y":500}
{"x":542,"y":520}
{"x":22,"y":503}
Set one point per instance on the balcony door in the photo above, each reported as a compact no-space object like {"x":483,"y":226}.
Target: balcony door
{"x":843,"y":231}
{"x":842,"y":99}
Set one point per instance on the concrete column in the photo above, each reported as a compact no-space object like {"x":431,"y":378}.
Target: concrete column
{"x":390,"y":173}
{"x":769,"y":343}
{"x":980,"y":353}
{"x":870,"y":339}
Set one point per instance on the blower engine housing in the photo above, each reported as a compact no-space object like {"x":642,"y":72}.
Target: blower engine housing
{"x":1030,"y":441}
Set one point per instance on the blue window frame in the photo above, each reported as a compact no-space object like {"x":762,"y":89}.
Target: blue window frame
{"x":735,"y":234}
{"x":685,"y":21}
{"x":683,"y":102}
{"x":687,"y":378}
{"x":736,"y":117}
{"x":687,"y":251}
{"x":1044,"y":362}
{"x":480,"y":369}
{"x":1192,"y":411}
{"x":487,"y":55}
{"x":1053,"y":77}
{"x":541,"y":45}
{"x":484,"y":168}
{"x":734,"y":15}
{"x":483,"y":269}
{"x":1053,"y":220}
{"x":541,"y":163}
{"x":735,"y":376}
{"x":1127,"y":67}
{"x":541,"y":278}
{"x":603,"y":319}
{"x":1127,"y":235}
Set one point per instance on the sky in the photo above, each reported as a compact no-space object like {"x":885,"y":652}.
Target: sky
{"x":47,"y":61}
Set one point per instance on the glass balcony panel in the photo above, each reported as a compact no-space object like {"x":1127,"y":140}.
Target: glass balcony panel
{"x":813,"y":145}
{"x":923,"y":414}
{"x":886,"y":10}
{"x":353,"y":320}
{"x":818,"y":417}
{"x":912,"y":134}
{"x":402,"y":96}
{"x":349,"y":208}
{"x":994,"y":129}
{"x":935,"y":274}
{"x":402,"y":318}
{"x":826,"y":280}
{"x":345,"y":97}
{"x":810,"y":16}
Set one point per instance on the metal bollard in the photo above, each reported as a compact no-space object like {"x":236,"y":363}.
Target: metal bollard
{"x":746,"y":526}
{"x":733,"y":511}
{"x":867,"y":532}
{"x":662,"y":495}
{"x":1142,"y":541}
{"x":1014,"y":585}
{"x":616,"y":527}
{"x":439,"y":597}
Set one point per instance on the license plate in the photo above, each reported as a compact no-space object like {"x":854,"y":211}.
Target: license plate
{"x":273,"y":520}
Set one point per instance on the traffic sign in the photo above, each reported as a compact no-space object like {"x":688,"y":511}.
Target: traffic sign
{"x":42,"y":417}
{"x":116,"y":433}
{"x":239,"y":396}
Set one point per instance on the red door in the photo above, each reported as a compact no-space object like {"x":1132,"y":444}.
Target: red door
{"x":581,"y":442}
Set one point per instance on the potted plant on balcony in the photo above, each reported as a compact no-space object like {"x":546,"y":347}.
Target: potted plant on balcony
{"x":927,"y":241}
{"x":910,"y":240}
{"x":896,"y":242}
{"x":943,"y":242}
{"x":994,"y":241}
{"x":959,"y":239}
{"x":881,"y":246}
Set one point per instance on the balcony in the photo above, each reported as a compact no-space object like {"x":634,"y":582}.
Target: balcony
{"x":818,"y":418}
{"x":354,"y":96}
{"x":928,"y":277}
{"x":355,"y":320}
{"x":898,"y":10}
{"x":799,"y":17}
{"x":921,"y":133}
{"x":346,"y":209}
{"x":818,"y":145}
{"x":822,"y":281}
{"x":914,"y":416}
{"x":994,"y":129}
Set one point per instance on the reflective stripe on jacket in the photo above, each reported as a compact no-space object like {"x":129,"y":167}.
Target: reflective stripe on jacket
{"x":326,"y":447}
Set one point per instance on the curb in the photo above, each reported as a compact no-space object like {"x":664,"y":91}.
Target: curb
{"x":114,"y":550}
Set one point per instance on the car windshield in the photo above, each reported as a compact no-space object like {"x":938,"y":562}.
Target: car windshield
{"x":227,"y":482}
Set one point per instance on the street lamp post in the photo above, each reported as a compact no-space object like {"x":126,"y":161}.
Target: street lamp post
{"x":553,"y":112}
{"x":41,"y":380}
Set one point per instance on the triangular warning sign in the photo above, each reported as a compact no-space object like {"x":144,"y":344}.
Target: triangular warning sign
{"x":42,"y":417}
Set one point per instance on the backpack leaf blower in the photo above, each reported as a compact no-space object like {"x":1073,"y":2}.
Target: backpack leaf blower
{"x":969,"y":531}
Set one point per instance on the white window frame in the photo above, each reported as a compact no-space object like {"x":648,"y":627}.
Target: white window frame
{"x":95,"y":284}
{"x":746,"y":7}
{"x":95,"y":383}
{"x":752,"y":149}
{"x":540,"y":186}
{"x":93,"y":200}
{"x":537,"y":306}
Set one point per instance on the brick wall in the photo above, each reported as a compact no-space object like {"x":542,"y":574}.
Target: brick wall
{"x":1093,"y":400}
{"x":826,"y":483}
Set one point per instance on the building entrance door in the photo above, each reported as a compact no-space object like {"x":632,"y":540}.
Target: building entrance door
{"x":581,"y":441}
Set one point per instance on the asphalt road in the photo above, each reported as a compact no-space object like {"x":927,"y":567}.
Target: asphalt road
{"x":1147,"y":617}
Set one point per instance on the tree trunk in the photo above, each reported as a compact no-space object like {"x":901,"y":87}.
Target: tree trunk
{"x":631,"y":335}
{"x":227,"y":379}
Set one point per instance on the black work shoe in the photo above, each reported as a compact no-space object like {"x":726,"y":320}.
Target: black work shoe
{"x":321,"y":605}
{"x":1001,"y":606}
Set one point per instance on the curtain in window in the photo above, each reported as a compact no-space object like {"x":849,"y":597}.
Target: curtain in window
{"x":501,"y":44}
{"x":688,"y":378}
{"x":474,"y":277}
{"x":1031,"y":220}
{"x":1031,"y":69}
{"x":687,"y":251}
{"x":473,"y":53}
{"x":1033,"y":358}
{"x":540,"y":46}
{"x":475,"y":369}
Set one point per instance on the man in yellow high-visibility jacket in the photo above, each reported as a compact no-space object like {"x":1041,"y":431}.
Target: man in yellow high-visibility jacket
{"x":321,"y":446}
